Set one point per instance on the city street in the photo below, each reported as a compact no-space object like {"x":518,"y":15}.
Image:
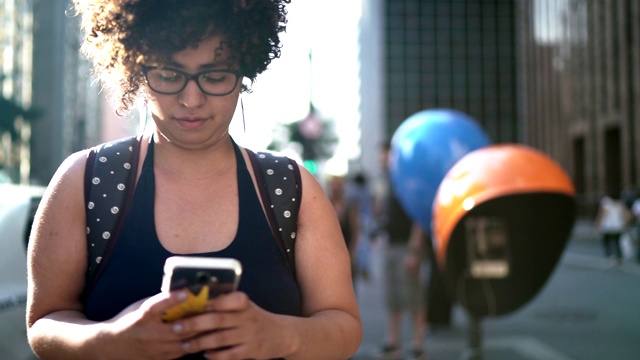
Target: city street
{"x":587,"y":310}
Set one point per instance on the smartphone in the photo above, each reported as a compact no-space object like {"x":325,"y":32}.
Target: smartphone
{"x":203,"y":277}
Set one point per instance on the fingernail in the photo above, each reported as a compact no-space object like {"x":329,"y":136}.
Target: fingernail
{"x":185,"y":345}
{"x":182,"y":295}
{"x":177,"y":327}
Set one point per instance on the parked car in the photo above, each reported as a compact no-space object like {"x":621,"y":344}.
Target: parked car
{"x":18,"y":204}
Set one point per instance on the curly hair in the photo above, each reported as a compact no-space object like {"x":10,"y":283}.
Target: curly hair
{"x":122,"y":35}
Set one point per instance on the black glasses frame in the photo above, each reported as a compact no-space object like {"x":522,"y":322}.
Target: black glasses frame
{"x":188,"y":77}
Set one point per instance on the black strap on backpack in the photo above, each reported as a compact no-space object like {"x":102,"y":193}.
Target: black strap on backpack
{"x":280,"y":187}
{"x":109,"y":181}
{"x":109,"y":186}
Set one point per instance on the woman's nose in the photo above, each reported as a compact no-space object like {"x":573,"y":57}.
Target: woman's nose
{"x":191,"y":96}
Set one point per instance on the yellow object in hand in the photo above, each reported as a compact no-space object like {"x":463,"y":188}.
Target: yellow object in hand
{"x":191,"y":306}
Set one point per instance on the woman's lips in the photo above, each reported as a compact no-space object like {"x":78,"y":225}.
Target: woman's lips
{"x":191,"y":122}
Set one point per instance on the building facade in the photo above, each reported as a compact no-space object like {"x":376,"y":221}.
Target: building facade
{"x":16,"y":29}
{"x":562,"y":76}
{"x":62,"y":88}
{"x":453,"y":54}
{"x":49,"y":106}
{"x":581,"y":90}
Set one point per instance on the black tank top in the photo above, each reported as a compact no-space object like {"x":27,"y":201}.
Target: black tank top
{"x":134,"y":270}
{"x":398,"y":224}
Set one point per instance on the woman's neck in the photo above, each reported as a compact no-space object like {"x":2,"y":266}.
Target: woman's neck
{"x":205,"y":163}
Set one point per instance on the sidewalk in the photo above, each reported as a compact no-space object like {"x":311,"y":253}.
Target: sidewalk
{"x":585,"y":233}
{"x":583,"y":252}
{"x":583,"y":230}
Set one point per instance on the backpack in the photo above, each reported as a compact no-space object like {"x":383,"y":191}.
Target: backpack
{"x":109,"y":184}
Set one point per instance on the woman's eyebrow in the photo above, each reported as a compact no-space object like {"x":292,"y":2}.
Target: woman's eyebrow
{"x":211,"y":65}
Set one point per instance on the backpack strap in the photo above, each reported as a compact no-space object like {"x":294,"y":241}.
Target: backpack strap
{"x":109,"y":182}
{"x":280,"y":187}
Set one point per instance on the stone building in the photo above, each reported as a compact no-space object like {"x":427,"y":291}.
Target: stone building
{"x":580,"y":70}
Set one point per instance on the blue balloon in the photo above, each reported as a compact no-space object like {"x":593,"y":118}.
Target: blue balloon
{"x":423,"y":149}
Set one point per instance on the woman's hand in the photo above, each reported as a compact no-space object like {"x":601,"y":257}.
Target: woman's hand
{"x":235,"y":328}
{"x":142,"y":334}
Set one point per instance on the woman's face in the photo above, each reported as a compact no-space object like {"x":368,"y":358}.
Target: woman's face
{"x":191,"y":118}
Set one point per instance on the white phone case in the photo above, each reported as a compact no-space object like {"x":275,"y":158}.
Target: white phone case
{"x":222,"y":275}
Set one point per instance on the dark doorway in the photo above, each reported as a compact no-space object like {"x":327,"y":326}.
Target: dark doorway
{"x":613,"y":162}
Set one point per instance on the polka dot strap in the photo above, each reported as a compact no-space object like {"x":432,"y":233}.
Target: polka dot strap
{"x":280,"y":190}
{"x":109,"y":182}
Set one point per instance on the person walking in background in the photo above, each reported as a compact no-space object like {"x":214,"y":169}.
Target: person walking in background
{"x":628,"y":196}
{"x":359,"y":194}
{"x":635,"y":210}
{"x":611,"y":222}
{"x":404,"y":280}
{"x":347,"y":215}
{"x":196,"y":194}
{"x":353,"y":204}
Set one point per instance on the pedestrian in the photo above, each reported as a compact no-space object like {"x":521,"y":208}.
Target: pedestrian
{"x":353,"y":205}
{"x":347,"y":215}
{"x":628,"y":195}
{"x":611,"y":222}
{"x":404,"y":279}
{"x":360,"y":196}
{"x":635,"y":210}
{"x":195,"y":195}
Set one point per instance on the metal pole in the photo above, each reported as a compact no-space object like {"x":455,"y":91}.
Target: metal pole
{"x":474,"y":351}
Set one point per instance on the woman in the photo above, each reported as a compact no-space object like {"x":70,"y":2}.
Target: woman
{"x":611,"y":221}
{"x":194,"y":195}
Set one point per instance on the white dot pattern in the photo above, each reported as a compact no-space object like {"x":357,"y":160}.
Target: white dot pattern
{"x":282,"y":180}
{"x":111,"y":172}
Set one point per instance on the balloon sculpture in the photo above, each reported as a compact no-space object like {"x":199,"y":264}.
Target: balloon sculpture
{"x":501,"y":219}
{"x":423,"y":148}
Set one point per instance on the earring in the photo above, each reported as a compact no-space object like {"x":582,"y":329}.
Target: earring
{"x":244,"y":125}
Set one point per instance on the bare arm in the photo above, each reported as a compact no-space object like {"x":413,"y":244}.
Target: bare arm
{"x":57,"y":261}
{"x":333,"y":328}
{"x":56,"y":265}
{"x":55,"y":256}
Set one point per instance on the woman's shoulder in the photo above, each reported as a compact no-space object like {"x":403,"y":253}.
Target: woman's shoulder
{"x":71,"y":171}
{"x":73,"y":165}
{"x":64,"y":193}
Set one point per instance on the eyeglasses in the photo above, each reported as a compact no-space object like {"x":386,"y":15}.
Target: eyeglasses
{"x":170,"y":81}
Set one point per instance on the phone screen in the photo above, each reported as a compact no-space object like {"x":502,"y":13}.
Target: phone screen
{"x":204,"y":278}
{"x":219,"y":281}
